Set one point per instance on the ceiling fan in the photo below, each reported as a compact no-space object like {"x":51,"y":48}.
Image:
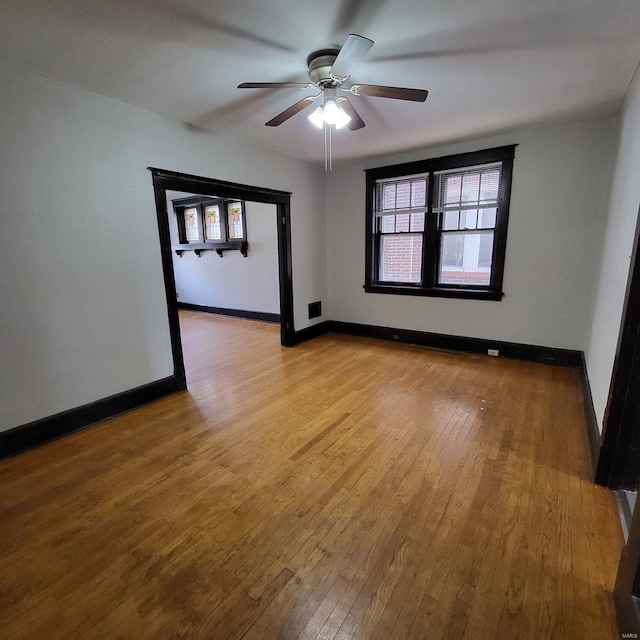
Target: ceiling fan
{"x":329,"y":69}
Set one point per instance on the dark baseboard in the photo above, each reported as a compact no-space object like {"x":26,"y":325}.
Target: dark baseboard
{"x":263,"y":316}
{"x":627,"y":613}
{"x":624,"y":508}
{"x":39,"y":432}
{"x":627,"y":605}
{"x":593,"y":433}
{"x":531,"y":353}
{"x":314,"y":331}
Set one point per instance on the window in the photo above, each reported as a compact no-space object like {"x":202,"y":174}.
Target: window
{"x":212,"y":228}
{"x":234,"y":219}
{"x":439,"y":227}
{"x":191,"y":224}
{"x":206,"y":223}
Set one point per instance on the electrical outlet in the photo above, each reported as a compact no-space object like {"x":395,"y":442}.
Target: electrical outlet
{"x":493,"y":352}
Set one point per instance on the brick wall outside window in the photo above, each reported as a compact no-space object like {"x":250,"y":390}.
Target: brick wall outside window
{"x":401,"y":258}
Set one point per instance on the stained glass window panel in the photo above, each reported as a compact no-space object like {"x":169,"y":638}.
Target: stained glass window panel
{"x":192,"y":231}
{"x":212,"y":222}
{"x":235,"y":221}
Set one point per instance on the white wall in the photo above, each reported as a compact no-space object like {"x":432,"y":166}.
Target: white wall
{"x":555,"y":233}
{"x":83,"y":307}
{"x":618,"y":244}
{"x":233,"y":281}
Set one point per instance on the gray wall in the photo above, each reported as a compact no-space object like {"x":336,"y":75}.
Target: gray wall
{"x":84,"y":312}
{"x":553,"y":247}
{"x":622,"y":217}
{"x":232,"y":282}
{"x":83,"y":306}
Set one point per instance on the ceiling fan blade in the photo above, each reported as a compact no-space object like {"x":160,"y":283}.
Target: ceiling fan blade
{"x":356,"y":121}
{"x":291,"y":111}
{"x":396,"y":93}
{"x":354,"y":49}
{"x":275,"y":85}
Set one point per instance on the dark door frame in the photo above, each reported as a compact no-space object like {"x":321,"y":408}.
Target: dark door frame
{"x":627,"y":588}
{"x":618,"y":464}
{"x":163,"y":181}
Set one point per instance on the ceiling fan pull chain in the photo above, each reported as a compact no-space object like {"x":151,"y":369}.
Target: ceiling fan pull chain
{"x":326,"y":148}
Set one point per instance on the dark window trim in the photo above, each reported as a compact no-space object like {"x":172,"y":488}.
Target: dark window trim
{"x":431,"y":234}
{"x":434,"y":292}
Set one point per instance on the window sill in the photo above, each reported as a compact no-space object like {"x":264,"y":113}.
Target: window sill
{"x":435,"y":292}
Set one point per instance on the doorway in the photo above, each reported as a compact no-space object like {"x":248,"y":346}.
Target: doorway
{"x":164,"y":181}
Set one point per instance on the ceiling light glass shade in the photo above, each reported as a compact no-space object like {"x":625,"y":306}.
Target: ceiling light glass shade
{"x":342,"y":119}
{"x":316,"y":118}
{"x":331,"y":113}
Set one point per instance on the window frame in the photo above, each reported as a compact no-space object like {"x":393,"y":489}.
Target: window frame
{"x":432,"y":234}
{"x":225,"y":243}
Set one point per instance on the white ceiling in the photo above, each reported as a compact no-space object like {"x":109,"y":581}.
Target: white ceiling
{"x":489,"y":65}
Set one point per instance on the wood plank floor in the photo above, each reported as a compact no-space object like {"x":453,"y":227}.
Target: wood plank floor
{"x":346,"y":488}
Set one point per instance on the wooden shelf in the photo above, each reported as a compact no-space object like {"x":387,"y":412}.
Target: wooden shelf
{"x":219,"y":247}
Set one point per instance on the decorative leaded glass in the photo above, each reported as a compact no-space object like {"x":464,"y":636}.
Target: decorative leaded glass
{"x":235,"y":221}
{"x":212,"y":229}
{"x":192,"y":232}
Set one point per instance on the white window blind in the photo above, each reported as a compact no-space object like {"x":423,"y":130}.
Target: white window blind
{"x":406,"y":195}
{"x":467,"y":189}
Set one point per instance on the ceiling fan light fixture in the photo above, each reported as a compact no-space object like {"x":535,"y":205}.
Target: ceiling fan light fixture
{"x":343,"y":119}
{"x":330,"y":114}
{"x":333,"y":114}
{"x":316,"y":118}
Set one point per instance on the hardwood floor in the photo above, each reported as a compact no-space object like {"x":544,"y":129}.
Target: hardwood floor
{"x":346,"y":488}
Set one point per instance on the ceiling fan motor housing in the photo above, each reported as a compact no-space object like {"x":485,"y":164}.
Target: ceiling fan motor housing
{"x":319,"y":64}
